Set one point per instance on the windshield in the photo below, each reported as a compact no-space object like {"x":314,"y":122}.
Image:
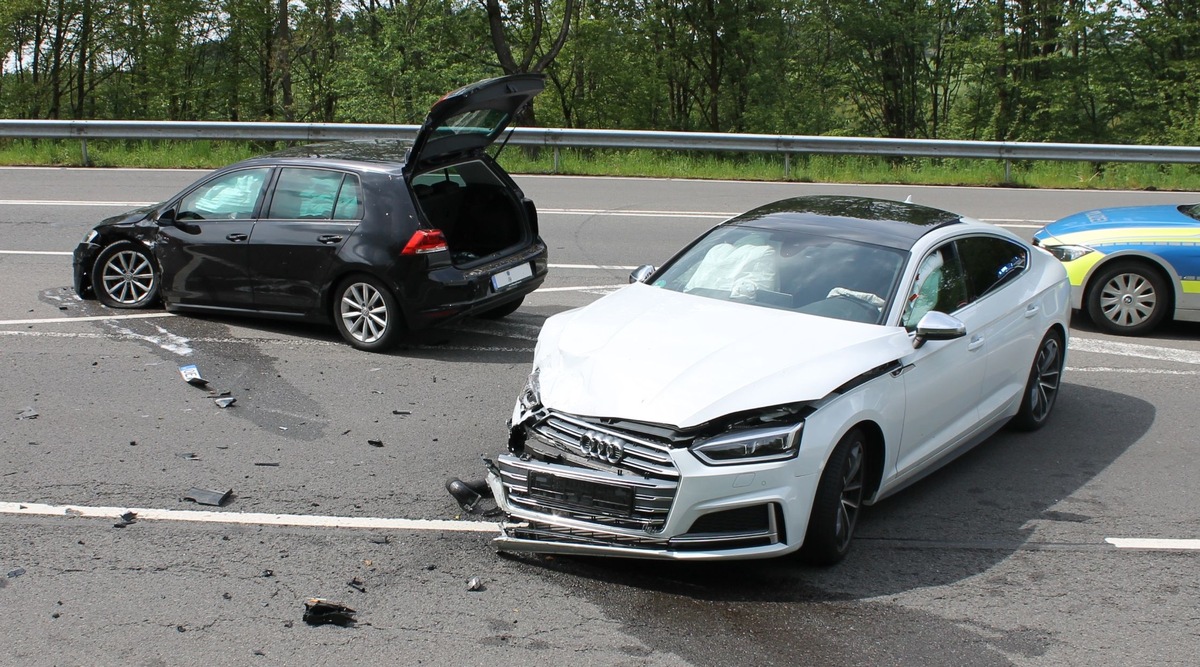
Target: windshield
{"x":1191,"y":210}
{"x":804,"y":273}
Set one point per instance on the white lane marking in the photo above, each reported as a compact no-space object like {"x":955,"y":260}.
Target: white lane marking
{"x":577,"y":289}
{"x":252,"y":518}
{"x":35,"y":252}
{"x":290,"y":342}
{"x":72,"y":202}
{"x":165,"y":339}
{"x":1100,"y":346}
{"x":1143,"y":371}
{"x":615,"y":267}
{"x":1154,"y":544}
{"x":94,"y":318}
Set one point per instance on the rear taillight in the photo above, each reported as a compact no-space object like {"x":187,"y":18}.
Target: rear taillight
{"x":425,"y":241}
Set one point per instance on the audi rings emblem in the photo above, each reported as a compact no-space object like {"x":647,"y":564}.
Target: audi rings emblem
{"x":601,"y":446}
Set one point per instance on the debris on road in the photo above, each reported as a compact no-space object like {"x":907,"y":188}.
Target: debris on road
{"x":207,"y":497}
{"x":467,"y":497}
{"x":189,"y":456}
{"x":127,"y":519}
{"x":402,"y":413}
{"x":16,"y":573}
{"x":375,"y":443}
{"x":27,"y":413}
{"x":322,"y":612}
{"x":268,"y":573}
{"x":357,"y":584}
{"x":269,"y":464}
{"x":475,"y":585}
{"x":224,"y":401}
{"x":191,"y":375}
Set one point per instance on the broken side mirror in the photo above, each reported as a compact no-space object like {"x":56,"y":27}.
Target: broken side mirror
{"x":642,"y":273}
{"x":936,"y":325}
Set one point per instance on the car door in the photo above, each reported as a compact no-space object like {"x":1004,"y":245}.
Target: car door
{"x":942,"y":378}
{"x":202,"y":251}
{"x":310,"y":214}
{"x":1004,"y":301}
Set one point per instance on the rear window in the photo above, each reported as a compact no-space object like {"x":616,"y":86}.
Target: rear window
{"x":315,"y":194}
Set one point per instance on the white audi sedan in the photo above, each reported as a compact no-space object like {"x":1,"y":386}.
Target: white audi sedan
{"x":790,"y":366}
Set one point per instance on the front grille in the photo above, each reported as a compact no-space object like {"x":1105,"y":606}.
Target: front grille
{"x":611,"y":499}
{"x":570,"y":438}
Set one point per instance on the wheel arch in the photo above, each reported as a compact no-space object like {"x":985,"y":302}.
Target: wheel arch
{"x":336,"y":278}
{"x":876,"y":456}
{"x":1154,"y":262}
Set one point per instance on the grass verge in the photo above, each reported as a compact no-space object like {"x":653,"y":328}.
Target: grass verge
{"x":662,"y":164}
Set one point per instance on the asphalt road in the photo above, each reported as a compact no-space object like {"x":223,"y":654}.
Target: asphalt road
{"x":1000,"y":558}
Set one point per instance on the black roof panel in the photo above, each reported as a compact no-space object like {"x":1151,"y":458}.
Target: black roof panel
{"x":879,"y":221}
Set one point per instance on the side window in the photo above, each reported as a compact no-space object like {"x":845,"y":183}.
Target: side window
{"x":307,"y":194}
{"x":990,"y":263}
{"x":233,"y":196}
{"x":939,"y":285}
{"x":349,"y":204}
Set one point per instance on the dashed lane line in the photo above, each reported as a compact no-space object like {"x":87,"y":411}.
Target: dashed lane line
{"x":250,"y":518}
{"x":1152,"y":544}
{"x":90,"y":318}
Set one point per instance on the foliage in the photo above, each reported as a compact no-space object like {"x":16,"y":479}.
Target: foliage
{"x":1122,"y":71}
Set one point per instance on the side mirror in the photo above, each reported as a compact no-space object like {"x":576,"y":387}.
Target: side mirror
{"x":167,"y":217}
{"x":936,"y":325}
{"x":642,"y":273}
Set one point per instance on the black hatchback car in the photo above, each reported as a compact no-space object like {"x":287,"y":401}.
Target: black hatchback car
{"x":380,"y":237}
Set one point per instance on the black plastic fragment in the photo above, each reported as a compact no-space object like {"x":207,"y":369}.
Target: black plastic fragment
{"x":357,"y":584}
{"x":402,"y":413}
{"x":467,"y":498}
{"x":16,"y":573}
{"x":207,"y":497}
{"x":375,"y":443}
{"x":269,"y":464}
{"x":325,"y":612}
{"x":127,"y":519}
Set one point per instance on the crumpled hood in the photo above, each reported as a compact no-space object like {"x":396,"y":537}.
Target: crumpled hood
{"x":648,"y":354}
{"x":136,"y":215}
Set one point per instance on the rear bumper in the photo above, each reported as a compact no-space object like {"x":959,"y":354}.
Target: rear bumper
{"x":451,"y":293}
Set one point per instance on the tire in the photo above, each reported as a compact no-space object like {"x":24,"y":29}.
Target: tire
{"x":502,"y":311}
{"x":366,"y":314}
{"x":837,"y":503}
{"x":1128,"y":299}
{"x":125,"y":276}
{"x":1041,"y":390}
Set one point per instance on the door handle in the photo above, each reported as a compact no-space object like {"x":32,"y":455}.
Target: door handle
{"x":1031,"y":310}
{"x":236,"y":237}
{"x":975,"y":344}
{"x":329,"y":239}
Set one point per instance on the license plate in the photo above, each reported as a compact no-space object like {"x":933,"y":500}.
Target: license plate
{"x":581,"y":494}
{"x":513,"y":275}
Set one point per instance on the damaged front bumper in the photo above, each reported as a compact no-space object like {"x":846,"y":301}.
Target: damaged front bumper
{"x":656,"y":503}
{"x":81,"y":267}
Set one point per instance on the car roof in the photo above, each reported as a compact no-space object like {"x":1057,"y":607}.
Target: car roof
{"x":878,"y":221}
{"x":382,"y":156}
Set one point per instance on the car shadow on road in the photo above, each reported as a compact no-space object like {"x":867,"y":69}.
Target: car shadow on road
{"x":959,"y":522}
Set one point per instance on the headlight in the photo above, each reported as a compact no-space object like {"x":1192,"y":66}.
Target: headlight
{"x":91,"y":236}
{"x":758,"y":446}
{"x":1067,"y":253}
{"x":531,"y":396}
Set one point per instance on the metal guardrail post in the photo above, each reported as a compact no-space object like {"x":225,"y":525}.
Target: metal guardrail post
{"x":1007,"y":170}
{"x":787,"y":165}
{"x":555,"y":168}
{"x":86,"y":161}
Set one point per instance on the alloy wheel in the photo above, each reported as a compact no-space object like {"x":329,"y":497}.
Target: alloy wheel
{"x":853,"y":475}
{"x":364,"y":312}
{"x":1045,"y":386}
{"x":128,"y":277}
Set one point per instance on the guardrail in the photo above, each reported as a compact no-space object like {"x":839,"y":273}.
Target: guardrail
{"x":558,"y":138}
